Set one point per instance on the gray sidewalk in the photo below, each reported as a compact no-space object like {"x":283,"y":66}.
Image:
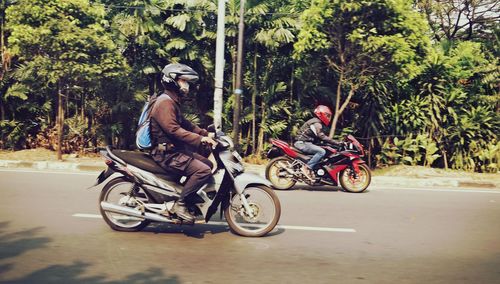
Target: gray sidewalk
{"x":377,"y":180}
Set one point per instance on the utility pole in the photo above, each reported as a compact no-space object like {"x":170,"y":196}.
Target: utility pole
{"x":219,"y":65}
{"x":238,"y":90}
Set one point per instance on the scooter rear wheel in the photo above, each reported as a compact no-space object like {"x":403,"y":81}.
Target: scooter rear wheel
{"x":277,"y":174}
{"x":116,"y":192}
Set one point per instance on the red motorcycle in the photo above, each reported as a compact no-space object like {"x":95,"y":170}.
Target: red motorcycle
{"x":341,"y":164}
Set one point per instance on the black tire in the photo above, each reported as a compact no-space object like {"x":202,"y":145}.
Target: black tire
{"x":274,"y":168}
{"x":109,"y":217}
{"x":355,"y":185}
{"x":233,"y":215}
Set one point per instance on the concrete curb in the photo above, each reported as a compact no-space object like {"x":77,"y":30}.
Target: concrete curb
{"x":52,"y":165}
{"x":377,"y":181}
{"x":432,"y":182}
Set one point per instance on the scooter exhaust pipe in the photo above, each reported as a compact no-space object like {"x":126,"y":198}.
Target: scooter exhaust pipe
{"x":106,"y":206}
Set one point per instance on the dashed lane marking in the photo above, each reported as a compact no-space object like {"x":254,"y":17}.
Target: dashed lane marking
{"x":286,"y":227}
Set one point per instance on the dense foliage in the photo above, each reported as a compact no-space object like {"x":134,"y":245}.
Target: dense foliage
{"x":416,"y":81}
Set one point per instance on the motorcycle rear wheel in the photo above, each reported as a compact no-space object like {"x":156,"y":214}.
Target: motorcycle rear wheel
{"x":113,"y":192}
{"x":358,"y":184}
{"x":275,"y":168}
{"x":266,"y":210}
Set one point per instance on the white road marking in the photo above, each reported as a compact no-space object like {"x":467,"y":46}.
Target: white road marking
{"x":287,"y":227}
{"x":82,"y":215}
{"x":379,"y":188}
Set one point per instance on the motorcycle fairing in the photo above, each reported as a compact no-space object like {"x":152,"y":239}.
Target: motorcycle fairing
{"x":335,"y":170}
{"x":222,"y":196}
{"x":285,"y":147}
{"x":356,"y":143}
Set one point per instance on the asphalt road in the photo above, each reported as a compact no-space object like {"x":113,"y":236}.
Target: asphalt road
{"x":50,"y":232}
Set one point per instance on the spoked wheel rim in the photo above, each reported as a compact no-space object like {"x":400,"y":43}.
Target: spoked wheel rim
{"x":265,"y":208}
{"x":278,"y":175}
{"x":355,"y":182}
{"x":118,"y":195}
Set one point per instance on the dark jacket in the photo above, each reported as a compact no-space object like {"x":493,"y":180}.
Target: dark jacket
{"x":168,"y":125}
{"x":312,"y":131}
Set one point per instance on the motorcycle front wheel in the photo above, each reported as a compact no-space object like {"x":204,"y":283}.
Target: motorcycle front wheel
{"x":277,"y":173}
{"x":265,"y":212}
{"x":117,"y":192}
{"x":352,"y":182}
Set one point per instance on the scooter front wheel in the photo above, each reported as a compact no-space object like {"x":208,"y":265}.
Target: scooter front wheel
{"x":255,"y":213}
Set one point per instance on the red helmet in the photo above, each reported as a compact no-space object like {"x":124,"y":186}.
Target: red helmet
{"x":324,"y":114}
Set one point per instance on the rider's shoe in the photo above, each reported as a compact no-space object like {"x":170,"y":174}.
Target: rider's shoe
{"x":181,"y":210}
{"x":308,"y":173}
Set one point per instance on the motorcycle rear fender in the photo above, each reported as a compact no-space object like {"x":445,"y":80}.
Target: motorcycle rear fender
{"x":245,"y":180}
{"x":274,"y":152}
{"x":104,"y":176}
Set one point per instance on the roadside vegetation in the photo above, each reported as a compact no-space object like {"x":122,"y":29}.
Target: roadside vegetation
{"x":417,"y":82}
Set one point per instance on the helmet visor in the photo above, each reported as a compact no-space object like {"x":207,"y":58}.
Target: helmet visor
{"x":189,"y":78}
{"x":328,"y":116}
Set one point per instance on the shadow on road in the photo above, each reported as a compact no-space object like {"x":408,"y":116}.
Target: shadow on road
{"x":316,"y":188}
{"x":322,"y":188}
{"x":17,"y":243}
{"x":14,"y":244}
{"x":196,"y":231}
{"x":73,"y":273}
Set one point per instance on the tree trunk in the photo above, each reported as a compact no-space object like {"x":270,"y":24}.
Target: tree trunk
{"x":236,"y":105}
{"x":445,"y":158}
{"x":60,"y":123}
{"x":337,"y":104}
{"x":82,"y":111}
{"x":249,"y":141}
{"x":340,"y":110}
{"x":2,"y":116}
{"x":2,"y":34}
{"x":238,"y":91}
{"x":263,"y":122}
{"x":254,"y":104}
{"x":151,"y":85}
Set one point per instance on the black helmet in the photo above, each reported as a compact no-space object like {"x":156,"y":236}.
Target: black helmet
{"x":173,"y":72}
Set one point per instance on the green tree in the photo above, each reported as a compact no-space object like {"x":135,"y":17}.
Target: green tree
{"x":361,"y":41}
{"x":65,"y":46}
{"x":464,"y":19}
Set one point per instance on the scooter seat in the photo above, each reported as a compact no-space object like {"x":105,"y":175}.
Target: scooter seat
{"x":145,"y":162}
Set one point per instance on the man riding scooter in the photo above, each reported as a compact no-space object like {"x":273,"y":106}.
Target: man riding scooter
{"x":174,"y":137}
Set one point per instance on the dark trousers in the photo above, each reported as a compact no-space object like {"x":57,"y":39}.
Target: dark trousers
{"x":194,"y":166}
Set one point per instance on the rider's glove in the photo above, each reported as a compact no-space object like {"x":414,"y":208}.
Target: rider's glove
{"x":208,"y":140}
